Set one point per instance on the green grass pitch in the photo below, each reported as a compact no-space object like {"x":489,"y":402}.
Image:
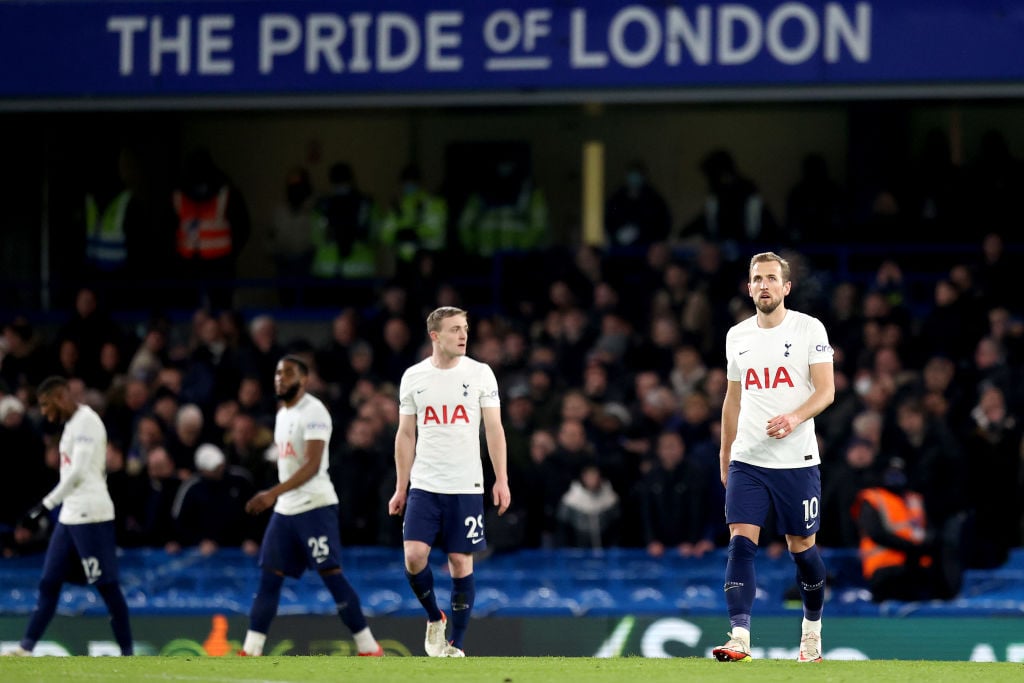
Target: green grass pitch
{"x":484,"y":670}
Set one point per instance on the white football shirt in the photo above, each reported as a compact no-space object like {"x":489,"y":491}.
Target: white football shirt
{"x":83,"y":471}
{"x":447,"y":406}
{"x":307,"y":420}
{"x":772,"y":367}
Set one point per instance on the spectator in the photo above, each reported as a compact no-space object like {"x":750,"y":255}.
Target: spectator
{"x":290,"y":238}
{"x":994,"y":443}
{"x":589,"y":512}
{"x":897,"y":540}
{"x":933,"y":460}
{"x":111,"y":373}
{"x":357,"y":466}
{"x":252,"y":399}
{"x":259,"y":357}
{"x":213,"y":228}
{"x":935,"y":204}
{"x":519,"y":425}
{"x":26,"y":477}
{"x":212,"y":370}
{"x":688,"y":370}
{"x":24,"y":363}
{"x":165,"y":404}
{"x":397,"y":351}
{"x":506,"y":212}
{"x":209,"y":510}
{"x":151,"y":355}
{"x":543,"y":485}
{"x":816,"y":206}
{"x":994,"y":272}
{"x":672,"y":498}
{"x":949,"y":326}
{"x":636,"y":214}
{"x":185,"y":438}
{"x":833,"y":425}
{"x":123,"y":485}
{"x":149,"y":434}
{"x":939,"y":381}
{"x":69,"y":365}
{"x":151,"y":522}
{"x":333,"y":359}
{"x":574,"y":450}
{"x":127,"y":405}
{"x":344,"y":227}
{"x":990,"y":367}
{"x":416,"y":222}
{"x":734,"y":211}
{"x":250,"y":445}
{"x":89,"y":327}
{"x":842,"y":482}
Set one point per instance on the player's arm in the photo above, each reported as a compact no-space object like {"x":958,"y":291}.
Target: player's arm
{"x":498,"y":450}
{"x":730,"y":425}
{"x":81,"y":450}
{"x":405,"y":451}
{"x":824,"y":381}
{"x":307,"y":470}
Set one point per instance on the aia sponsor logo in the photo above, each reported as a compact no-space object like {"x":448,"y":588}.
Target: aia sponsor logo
{"x":767,"y":378}
{"x":286,"y":450}
{"x":444,"y":416}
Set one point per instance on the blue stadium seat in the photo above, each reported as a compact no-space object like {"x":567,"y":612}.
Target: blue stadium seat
{"x":526,"y":583}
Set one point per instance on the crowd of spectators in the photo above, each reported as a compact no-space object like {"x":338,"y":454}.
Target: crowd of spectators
{"x":610,"y":359}
{"x":612,"y":378}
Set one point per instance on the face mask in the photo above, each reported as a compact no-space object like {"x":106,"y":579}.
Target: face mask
{"x":634,"y":180}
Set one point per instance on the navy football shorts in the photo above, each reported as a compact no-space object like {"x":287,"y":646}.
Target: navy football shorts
{"x":83,"y":554}
{"x":452,"y":522}
{"x":794,"y":493}
{"x":309,"y":540}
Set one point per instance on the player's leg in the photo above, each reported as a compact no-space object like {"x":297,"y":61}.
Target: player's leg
{"x":97,"y":548}
{"x":746,"y":504}
{"x":797,"y":496}
{"x":262,"y":612}
{"x":419,"y":531}
{"x":276,"y":558}
{"x":60,"y":558}
{"x":350,"y":611}
{"x":810,"y":577}
{"x":463,"y":534}
{"x":320,"y":527}
{"x":463,"y":597}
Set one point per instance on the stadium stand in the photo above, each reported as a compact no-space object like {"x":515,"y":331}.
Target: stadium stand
{"x":531,"y":583}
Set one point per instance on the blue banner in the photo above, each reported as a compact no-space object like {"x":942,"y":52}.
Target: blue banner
{"x":107,"y":49}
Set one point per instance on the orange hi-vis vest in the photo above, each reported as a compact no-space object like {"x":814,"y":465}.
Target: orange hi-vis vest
{"x":902,"y":516}
{"x":203,"y":227}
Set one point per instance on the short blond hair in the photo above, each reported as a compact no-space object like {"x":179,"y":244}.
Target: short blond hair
{"x":438,"y":316}
{"x":767,"y":257}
